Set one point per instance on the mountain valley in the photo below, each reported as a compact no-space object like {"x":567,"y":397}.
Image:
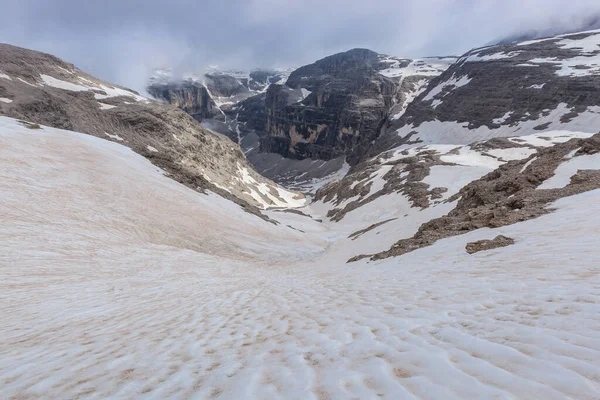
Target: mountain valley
{"x":365,"y":226}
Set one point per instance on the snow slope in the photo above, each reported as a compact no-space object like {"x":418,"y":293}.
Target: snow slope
{"x":117,"y":282}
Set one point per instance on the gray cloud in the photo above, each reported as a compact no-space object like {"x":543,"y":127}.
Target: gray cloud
{"x":123,"y":40}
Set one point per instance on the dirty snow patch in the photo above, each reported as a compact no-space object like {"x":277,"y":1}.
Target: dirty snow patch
{"x":57,"y":83}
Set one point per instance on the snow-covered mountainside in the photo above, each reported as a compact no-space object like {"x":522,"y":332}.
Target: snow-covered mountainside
{"x":508,"y":90}
{"x":43,"y":89}
{"x":471,"y":132}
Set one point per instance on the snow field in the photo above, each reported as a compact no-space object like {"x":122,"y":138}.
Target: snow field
{"x":118,"y":282}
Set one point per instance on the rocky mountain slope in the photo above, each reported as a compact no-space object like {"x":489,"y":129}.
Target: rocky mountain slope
{"x":43,"y":89}
{"x":507,"y":90}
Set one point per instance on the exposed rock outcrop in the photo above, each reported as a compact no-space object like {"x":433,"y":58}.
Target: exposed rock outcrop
{"x":483,"y":245}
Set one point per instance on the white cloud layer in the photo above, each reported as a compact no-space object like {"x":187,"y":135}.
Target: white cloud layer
{"x":122,"y":40}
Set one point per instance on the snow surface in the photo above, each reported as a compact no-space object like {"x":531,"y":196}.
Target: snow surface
{"x":5,"y":100}
{"x":4,"y":76}
{"x":527,"y":164}
{"x":589,"y":44}
{"x":60,"y":84}
{"x":476,"y":57}
{"x":104,"y":106}
{"x":117,"y":282}
{"x":263,"y":193}
{"x":503,"y":118}
{"x":451,"y":132}
{"x":115,"y":137}
{"x":110,"y":91}
{"x":564,"y":172}
{"x":25,"y":82}
{"x":305,"y":93}
{"x":453,"y":83}
{"x":115,"y":92}
{"x":420,"y":87}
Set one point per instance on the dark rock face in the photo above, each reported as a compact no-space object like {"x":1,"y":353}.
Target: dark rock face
{"x":190,"y":96}
{"x":328,"y":111}
{"x":252,"y":113}
{"x":346,"y":103}
{"x":215,"y":94}
{"x":502,"y":86}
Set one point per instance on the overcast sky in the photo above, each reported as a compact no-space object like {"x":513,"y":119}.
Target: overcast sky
{"x":121,"y":41}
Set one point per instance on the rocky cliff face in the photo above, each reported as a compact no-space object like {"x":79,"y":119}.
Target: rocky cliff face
{"x":43,"y":89}
{"x":346,"y":100}
{"x":190,"y":96}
